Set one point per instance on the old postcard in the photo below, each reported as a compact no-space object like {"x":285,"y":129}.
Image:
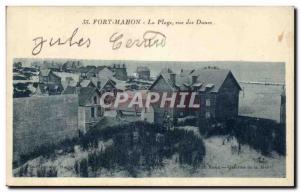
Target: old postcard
{"x":150,"y":96}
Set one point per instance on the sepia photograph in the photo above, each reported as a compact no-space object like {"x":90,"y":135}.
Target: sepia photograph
{"x":95,"y":118}
{"x":150,"y":96}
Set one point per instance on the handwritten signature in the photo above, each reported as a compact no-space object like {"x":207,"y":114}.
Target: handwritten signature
{"x":148,"y":40}
{"x":72,"y":40}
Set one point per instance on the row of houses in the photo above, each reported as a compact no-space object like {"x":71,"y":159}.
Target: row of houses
{"x":217,"y":93}
{"x":217,"y":90}
{"x":119,"y":71}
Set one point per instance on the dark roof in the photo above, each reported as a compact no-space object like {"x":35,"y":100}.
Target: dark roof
{"x":103,"y":81}
{"x":216,"y":77}
{"x":85,"y":93}
{"x":209,"y":80}
{"x":29,"y":69}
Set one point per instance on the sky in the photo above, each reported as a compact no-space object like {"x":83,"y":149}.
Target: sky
{"x":242,"y":70}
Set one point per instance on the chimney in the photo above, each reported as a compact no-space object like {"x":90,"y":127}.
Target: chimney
{"x":99,"y":84}
{"x":194,"y":79}
{"x":173,"y":78}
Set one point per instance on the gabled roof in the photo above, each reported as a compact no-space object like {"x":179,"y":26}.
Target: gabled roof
{"x":209,"y":80}
{"x":165,"y":74}
{"x":85,"y":93}
{"x":212,"y":79}
{"x":166,"y":77}
{"x":106,"y":72}
{"x":103,"y":81}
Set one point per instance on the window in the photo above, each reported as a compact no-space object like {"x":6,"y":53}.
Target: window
{"x":95,"y":100}
{"x":207,"y":102}
{"x":92,"y":112}
{"x":207,"y":115}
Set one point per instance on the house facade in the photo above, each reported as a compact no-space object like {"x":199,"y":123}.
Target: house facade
{"x":49,"y":83}
{"x":217,"y":94}
{"x":89,"y":93}
{"x":89,"y":110}
{"x":162,"y":84}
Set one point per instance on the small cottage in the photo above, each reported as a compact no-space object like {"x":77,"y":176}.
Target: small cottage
{"x":89,"y":110}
